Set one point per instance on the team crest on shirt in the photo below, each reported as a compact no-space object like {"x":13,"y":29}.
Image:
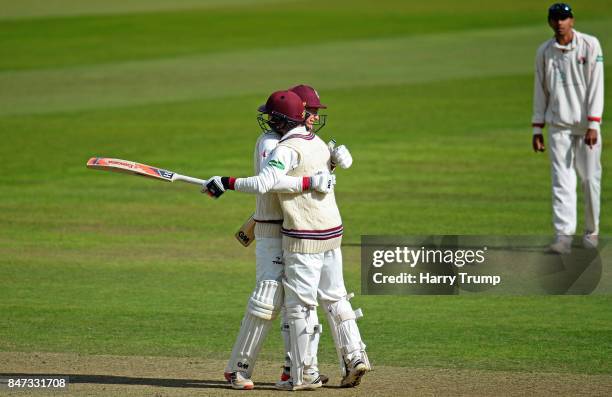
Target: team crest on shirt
{"x":581,"y":60}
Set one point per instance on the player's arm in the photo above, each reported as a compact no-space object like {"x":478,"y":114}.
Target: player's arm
{"x":282,"y":160}
{"x":540,"y":101}
{"x":595,"y":93}
{"x":294,"y":184}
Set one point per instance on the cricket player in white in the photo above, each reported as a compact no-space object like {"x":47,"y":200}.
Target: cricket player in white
{"x":265,"y":302}
{"x":568,"y":96}
{"x":312,"y":232}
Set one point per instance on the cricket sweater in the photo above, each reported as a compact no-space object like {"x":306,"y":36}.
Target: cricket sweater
{"x":312,"y":222}
{"x":568,"y":84}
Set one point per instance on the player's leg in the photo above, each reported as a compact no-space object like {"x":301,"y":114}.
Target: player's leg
{"x":588,"y":166}
{"x":341,"y":317}
{"x":286,"y":374}
{"x":262,"y":307}
{"x":561,"y":153}
{"x":302,"y":273}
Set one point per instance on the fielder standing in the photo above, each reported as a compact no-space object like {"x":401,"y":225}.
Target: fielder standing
{"x":568,"y":96}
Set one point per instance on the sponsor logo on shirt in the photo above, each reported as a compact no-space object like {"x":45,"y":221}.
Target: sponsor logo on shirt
{"x":277,"y":164}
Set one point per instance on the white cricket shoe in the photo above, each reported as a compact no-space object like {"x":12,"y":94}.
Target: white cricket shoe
{"x":590,"y":241}
{"x":354,"y":372}
{"x":562,"y":245}
{"x":239,"y":380}
{"x":311,"y":382}
{"x":286,"y":375}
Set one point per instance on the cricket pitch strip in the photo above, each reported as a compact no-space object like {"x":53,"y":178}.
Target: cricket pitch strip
{"x":170,"y":376}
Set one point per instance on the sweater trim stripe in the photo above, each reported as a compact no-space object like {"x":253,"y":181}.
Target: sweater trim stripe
{"x":340,"y":227}
{"x":275,"y":221}
{"x":313,"y":237}
{"x":308,"y":137}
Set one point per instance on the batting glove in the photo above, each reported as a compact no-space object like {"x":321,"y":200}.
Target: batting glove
{"x":323,"y":182}
{"x":342,"y":157}
{"x":217,"y":185}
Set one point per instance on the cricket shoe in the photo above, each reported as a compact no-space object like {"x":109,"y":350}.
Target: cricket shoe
{"x":590,"y":241}
{"x":354,"y":372}
{"x":286,"y":375}
{"x":562,"y":245}
{"x":311,"y":382}
{"x":239,"y":380}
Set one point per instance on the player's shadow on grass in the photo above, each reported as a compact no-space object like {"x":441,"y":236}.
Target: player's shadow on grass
{"x":130,"y":380}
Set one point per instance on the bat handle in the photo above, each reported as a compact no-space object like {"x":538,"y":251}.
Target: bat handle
{"x":331,"y":145}
{"x":189,"y":179}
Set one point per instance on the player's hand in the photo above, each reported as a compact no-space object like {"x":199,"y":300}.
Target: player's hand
{"x":323,"y":182}
{"x":590,"y":138}
{"x":214,"y":187}
{"x":538,"y":143}
{"x":342,"y":157}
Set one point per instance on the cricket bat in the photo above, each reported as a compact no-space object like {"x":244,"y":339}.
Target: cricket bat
{"x":246,"y":234}
{"x":131,"y":167}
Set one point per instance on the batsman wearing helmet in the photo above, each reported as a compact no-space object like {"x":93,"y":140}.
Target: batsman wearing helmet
{"x":312,"y":233}
{"x":266,"y":299}
{"x":340,"y":156}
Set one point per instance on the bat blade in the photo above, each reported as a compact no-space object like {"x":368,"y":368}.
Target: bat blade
{"x":130,"y":167}
{"x":246,"y":234}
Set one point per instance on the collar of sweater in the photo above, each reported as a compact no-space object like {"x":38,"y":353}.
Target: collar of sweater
{"x":300,"y":130}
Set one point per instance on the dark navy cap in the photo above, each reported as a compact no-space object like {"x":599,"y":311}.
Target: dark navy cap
{"x":560,"y":11}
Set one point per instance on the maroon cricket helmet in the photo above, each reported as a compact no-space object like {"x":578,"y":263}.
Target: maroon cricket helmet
{"x":285,"y":103}
{"x":308,"y":95}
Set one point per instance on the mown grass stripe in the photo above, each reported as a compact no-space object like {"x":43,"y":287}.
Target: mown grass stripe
{"x":347,"y":64}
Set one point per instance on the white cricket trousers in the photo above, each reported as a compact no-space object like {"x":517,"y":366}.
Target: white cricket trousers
{"x":269,"y":259}
{"x":312,"y":279}
{"x":570,"y":155}
{"x":308,"y":276}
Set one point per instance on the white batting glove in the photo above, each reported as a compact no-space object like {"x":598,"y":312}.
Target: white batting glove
{"x":323,"y":182}
{"x":342,"y":157}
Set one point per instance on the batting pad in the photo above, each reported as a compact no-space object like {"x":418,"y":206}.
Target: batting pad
{"x":344,"y":330}
{"x":266,"y":300}
{"x":304,"y":333}
{"x":262,"y":307}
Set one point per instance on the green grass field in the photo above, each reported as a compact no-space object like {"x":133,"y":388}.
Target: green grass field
{"x":433,"y":99}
